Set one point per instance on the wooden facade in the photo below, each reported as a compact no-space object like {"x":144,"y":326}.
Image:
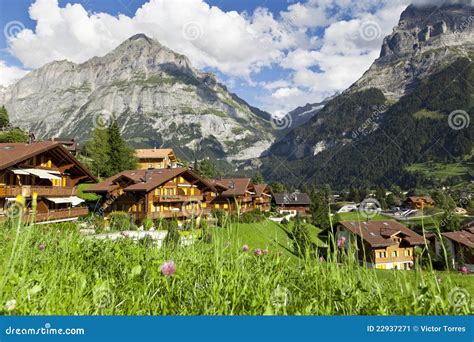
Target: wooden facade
{"x":296,"y":203}
{"x":155,"y":158}
{"x":165,"y":193}
{"x":459,"y":246}
{"x":46,"y":170}
{"x":235,"y":195}
{"x":418,"y":202}
{"x":380,"y":244}
{"x":178,"y":193}
{"x":263,"y":197}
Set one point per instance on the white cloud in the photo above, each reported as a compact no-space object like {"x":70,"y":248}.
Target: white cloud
{"x":233,"y":43}
{"x":347,"y":50}
{"x":9,"y":74}
{"x":275,"y":84}
{"x":236,"y":44}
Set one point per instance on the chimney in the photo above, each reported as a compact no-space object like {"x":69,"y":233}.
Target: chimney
{"x":31,"y":138}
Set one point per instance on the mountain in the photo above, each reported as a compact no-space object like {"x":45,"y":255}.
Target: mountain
{"x":400,"y":112}
{"x":426,"y":39}
{"x":301,"y":115}
{"x":158,"y":98}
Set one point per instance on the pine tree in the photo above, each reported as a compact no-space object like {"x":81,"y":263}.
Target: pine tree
{"x":208,"y":169}
{"x":4,"y":119}
{"x":278,"y":187}
{"x":97,"y":150}
{"x":319,"y":210}
{"x":258,"y":178}
{"x":381,"y":197}
{"x":121,"y":156}
{"x":354,"y":195}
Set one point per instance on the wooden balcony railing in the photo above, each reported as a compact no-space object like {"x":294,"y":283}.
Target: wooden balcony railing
{"x":262,"y":200}
{"x":52,"y":215}
{"x":28,"y":190}
{"x":400,"y":258}
{"x":177,"y":198}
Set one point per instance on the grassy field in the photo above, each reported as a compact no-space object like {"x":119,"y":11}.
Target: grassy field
{"x":52,"y":269}
{"x":360,"y":216}
{"x":264,"y":235}
{"x":442,"y":171}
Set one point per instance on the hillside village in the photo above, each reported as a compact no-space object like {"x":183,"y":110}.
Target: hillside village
{"x":300,"y":158}
{"x":45,"y":182}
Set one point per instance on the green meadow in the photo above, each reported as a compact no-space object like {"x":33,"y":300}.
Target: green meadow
{"x":54,"y":270}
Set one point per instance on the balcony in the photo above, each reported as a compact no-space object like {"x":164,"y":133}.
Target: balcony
{"x":53,"y":215}
{"x":177,"y":198}
{"x":28,"y":190}
{"x":400,"y":258}
{"x":259,"y":200}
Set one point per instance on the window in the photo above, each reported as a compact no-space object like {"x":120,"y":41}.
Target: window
{"x":381,"y":254}
{"x":216,"y":206}
{"x":226,"y":206}
{"x":407,"y":252}
{"x":394,"y":253}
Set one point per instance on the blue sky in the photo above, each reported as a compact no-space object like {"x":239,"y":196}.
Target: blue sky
{"x":276,"y":54}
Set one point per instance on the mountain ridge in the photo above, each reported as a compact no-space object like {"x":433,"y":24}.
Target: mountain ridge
{"x":155,"y":94}
{"x":332,"y":147}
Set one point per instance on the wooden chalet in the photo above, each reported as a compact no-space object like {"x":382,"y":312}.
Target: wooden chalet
{"x":156,"y":158}
{"x":263,"y":197}
{"x":294,"y":203}
{"x":417,"y":202}
{"x":48,"y":170}
{"x":161,"y":193}
{"x":234,"y":195}
{"x":380,"y":244}
{"x":459,"y":246}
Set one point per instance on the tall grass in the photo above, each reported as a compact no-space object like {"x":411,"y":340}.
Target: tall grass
{"x":76,"y":275}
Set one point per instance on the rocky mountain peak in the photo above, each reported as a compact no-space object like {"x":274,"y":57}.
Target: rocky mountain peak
{"x":155,"y":94}
{"x":425,"y":39}
{"x":428,"y":27}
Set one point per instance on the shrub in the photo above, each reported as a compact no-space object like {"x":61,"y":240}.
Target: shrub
{"x":206,"y":235}
{"x":161,"y":224}
{"x":172,"y":238}
{"x":97,"y":222}
{"x":252,"y":217}
{"x":147,"y":224}
{"x":119,"y":220}
{"x":301,"y":238}
{"x":221,"y":216}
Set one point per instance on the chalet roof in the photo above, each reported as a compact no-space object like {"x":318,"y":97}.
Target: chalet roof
{"x":68,"y":143}
{"x":260,"y":188}
{"x":416,"y":199}
{"x":378,"y":233}
{"x":154,"y":153}
{"x":299,"y":198}
{"x":144,"y":180}
{"x":12,"y":154}
{"x":463,"y":237}
{"x":232,"y":186}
